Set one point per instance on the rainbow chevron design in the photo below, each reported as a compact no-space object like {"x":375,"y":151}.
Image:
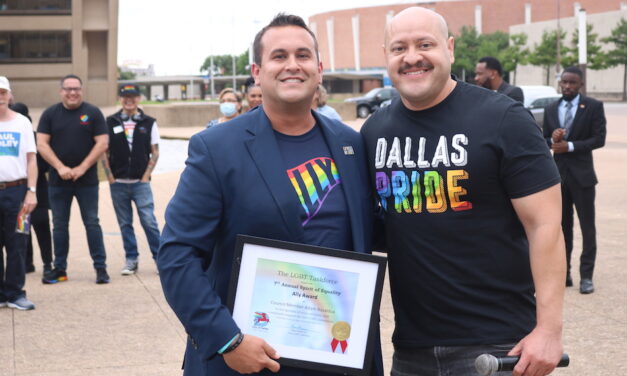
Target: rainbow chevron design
{"x":313,"y":181}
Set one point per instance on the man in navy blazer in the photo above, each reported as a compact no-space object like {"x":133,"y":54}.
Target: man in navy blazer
{"x":249,"y":176}
{"x":573,"y":127}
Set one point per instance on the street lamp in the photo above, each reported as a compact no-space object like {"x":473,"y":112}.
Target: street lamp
{"x":583,"y":46}
{"x":558,"y":38}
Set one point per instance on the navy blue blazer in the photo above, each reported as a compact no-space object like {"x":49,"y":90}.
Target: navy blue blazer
{"x":234,"y":183}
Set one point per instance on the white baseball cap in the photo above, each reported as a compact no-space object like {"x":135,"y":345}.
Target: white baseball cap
{"x":4,"y":83}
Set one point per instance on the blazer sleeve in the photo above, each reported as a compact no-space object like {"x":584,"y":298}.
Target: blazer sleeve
{"x":193,"y":217}
{"x":596,"y":136}
{"x":547,"y":126}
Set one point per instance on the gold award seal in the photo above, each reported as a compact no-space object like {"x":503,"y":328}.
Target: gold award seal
{"x":341,"y":330}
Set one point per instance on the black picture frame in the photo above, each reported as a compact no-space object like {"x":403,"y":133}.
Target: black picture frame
{"x":299,"y":250}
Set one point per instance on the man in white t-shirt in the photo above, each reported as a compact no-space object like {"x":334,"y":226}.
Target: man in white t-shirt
{"x":18,"y":181}
{"x":132,"y":156}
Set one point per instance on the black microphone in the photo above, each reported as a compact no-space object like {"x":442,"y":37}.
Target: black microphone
{"x":488,"y":364}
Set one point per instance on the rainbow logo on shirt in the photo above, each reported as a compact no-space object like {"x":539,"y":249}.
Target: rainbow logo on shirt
{"x":313,"y":181}
{"x":84,"y":119}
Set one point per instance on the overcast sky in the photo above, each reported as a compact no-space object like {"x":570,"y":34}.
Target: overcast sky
{"x":176,"y":36}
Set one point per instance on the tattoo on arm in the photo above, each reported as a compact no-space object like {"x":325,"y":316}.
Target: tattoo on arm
{"x":105,"y":165}
{"x":154,"y":157}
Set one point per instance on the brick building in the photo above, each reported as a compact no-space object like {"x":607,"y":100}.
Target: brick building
{"x":350,"y":40}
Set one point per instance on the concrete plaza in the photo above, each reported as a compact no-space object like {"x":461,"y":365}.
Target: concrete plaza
{"x":126,"y":327}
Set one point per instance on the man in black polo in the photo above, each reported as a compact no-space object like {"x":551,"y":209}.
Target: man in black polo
{"x":132,"y":156}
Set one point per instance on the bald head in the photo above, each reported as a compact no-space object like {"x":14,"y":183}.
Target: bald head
{"x":417,"y":15}
{"x":419,"y":55}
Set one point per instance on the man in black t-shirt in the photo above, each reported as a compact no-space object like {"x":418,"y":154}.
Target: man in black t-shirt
{"x":71,"y":137}
{"x":472,"y":214}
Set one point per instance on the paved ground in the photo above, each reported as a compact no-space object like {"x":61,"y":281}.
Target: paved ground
{"x":126,"y":327}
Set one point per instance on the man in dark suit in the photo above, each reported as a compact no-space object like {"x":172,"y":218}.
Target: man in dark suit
{"x":247,"y":176}
{"x":573,"y":127}
{"x":489,"y":74}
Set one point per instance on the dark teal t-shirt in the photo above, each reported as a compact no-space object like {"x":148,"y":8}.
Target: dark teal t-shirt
{"x":318,"y":188}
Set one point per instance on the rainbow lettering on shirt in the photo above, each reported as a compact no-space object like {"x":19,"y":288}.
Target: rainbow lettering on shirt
{"x":414,"y":183}
{"x":84,"y":119}
{"x":313,"y":181}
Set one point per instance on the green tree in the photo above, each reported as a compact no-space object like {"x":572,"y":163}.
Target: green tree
{"x":618,"y":55}
{"x":545,"y":53}
{"x":492,"y":44}
{"x":223,"y":64}
{"x":515,"y":54}
{"x":470,"y":47}
{"x":242,"y":64}
{"x":466,"y":51}
{"x":122,"y":75}
{"x":596,"y":58}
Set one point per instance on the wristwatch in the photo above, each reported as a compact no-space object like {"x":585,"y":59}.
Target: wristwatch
{"x":33,"y":189}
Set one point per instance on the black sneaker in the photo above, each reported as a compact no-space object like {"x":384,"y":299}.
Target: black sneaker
{"x":47,"y":268}
{"x":101,"y":276}
{"x":54,"y":276}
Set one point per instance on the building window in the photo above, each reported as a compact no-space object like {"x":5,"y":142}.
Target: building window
{"x":35,"y":47}
{"x":11,"y":7}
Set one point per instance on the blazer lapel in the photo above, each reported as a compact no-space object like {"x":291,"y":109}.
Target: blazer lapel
{"x":347,"y":162}
{"x":266,"y":156}
{"x":579,"y":114}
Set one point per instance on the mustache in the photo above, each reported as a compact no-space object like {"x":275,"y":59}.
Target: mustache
{"x":421,"y":65}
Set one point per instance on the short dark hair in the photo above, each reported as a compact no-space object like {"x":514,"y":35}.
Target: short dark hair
{"x":71,"y":76}
{"x":250,"y":81}
{"x":492,"y":63}
{"x":574,"y":70}
{"x":279,"y":20}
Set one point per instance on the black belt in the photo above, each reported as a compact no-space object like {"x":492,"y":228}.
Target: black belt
{"x":9,"y":184}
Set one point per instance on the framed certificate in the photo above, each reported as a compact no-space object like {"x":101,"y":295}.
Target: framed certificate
{"x":318,"y":307}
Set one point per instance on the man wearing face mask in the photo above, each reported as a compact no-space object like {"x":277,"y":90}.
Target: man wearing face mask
{"x":230,"y":106}
{"x":131,"y":158}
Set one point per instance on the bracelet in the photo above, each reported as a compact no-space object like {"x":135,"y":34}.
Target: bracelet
{"x":236,"y":342}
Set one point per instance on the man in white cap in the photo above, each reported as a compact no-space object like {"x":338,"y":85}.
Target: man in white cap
{"x":18,"y":179}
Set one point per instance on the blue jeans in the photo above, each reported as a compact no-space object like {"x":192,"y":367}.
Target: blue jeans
{"x":123,"y":195}
{"x":61,"y":203}
{"x":444,"y":360}
{"x":12,"y":279}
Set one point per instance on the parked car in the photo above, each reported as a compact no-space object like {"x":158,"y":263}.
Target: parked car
{"x":537,"y":97}
{"x":533,"y":92}
{"x":370,"y":102}
{"x":538,"y":105}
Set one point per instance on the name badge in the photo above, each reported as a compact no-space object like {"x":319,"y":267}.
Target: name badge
{"x":118,"y":129}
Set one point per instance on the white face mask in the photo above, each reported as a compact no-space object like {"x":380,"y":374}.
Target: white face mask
{"x":228,"y":109}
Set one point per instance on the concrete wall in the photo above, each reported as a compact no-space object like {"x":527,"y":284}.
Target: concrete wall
{"x":607,"y":84}
{"x":183,"y":115}
{"x":199,"y":114}
{"x":348,"y":111}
